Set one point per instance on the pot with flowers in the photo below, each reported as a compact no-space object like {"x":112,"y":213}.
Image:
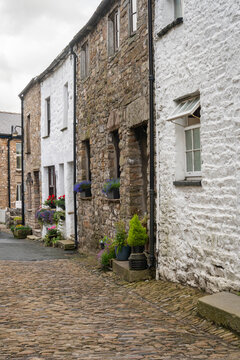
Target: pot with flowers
{"x":84,"y":188}
{"x":122,"y":249}
{"x":137,"y":238}
{"x":60,"y":202}
{"x":111,"y":188}
{"x":51,"y":201}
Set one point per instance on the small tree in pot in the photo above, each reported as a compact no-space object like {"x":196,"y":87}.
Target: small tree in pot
{"x":137,"y":238}
{"x":122,"y":249}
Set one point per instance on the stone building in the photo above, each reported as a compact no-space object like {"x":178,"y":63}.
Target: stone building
{"x":197,"y":51}
{"x":56,"y":84}
{"x":112,"y":116}
{"x":32,"y":152}
{"x":10,"y":160}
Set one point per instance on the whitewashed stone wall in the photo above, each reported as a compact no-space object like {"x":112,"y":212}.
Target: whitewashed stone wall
{"x":198,"y":237}
{"x":57,"y":149}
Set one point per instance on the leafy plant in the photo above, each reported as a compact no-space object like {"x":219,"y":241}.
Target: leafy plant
{"x":58,"y":216}
{"x":51,"y":201}
{"x":120,"y":239}
{"x":111,"y":184}
{"x":60,"y":202}
{"x":17,"y":218}
{"x":52,"y":236}
{"x":108,"y":253}
{"x":45,"y":216}
{"x":82,"y":186}
{"x":21,"y":231}
{"x":137,"y":235}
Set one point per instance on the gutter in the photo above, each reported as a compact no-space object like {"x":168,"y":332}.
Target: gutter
{"x":152,"y":148}
{"x":22,"y":160}
{"x":74,"y":143}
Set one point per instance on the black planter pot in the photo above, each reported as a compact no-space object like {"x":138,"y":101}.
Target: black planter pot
{"x":123,"y":254}
{"x":137,"y":259}
{"x":113,"y":194}
{"x":86,"y":193}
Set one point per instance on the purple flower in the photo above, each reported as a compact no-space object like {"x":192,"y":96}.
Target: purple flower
{"x":83,"y":185}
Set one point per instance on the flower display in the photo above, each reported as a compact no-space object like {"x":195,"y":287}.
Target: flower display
{"x":45,"y":216}
{"x":111,"y":184}
{"x":82,"y":186}
{"x":60,"y":202}
{"x":51,"y":201}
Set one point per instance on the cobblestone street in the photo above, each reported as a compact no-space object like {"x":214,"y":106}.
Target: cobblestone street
{"x":63,"y":309}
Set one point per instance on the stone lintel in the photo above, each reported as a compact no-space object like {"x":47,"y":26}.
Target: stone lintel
{"x":137,"y":112}
{"x":222,"y":308}
{"x":114,"y":120}
{"x":121,"y":268}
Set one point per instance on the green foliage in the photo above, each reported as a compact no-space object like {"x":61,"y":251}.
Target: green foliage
{"x":137,"y":235}
{"x":59,"y":216}
{"x":17,"y":218}
{"x":52,"y":236}
{"x":107,"y":254}
{"x":20,"y":231}
{"x":120,"y":239}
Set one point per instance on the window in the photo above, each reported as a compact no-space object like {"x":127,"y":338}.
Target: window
{"x":19,"y":196}
{"x":28,"y":136}
{"x":113,"y":32}
{"x":19,"y":156}
{"x":48,"y":116}
{"x":133,"y":16}
{"x":186,"y":116}
{"x":87,"y":160}
{"x":84,"y":60}
{"x":178,"y":11}
{"x":65,"y":105}
{"x":51,"y":181}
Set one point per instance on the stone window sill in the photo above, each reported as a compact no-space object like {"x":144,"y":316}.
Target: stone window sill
{"x":86,"y":198}
{"x":182,"y":183}
{"x":19,"y":170}
{"x":111,"y":200}
{"x":170,"y":26}
{"x":29,"y":210}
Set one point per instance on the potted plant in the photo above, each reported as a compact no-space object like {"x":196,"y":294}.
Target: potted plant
{"x":122,"y":249}
{"x":111,"y":188}
{"x":84,"y":188}
{"x":52,"y":236}
{"x":20,"y":231}
{"x":17,"y":220}
{"x":45,"y":216}
{"x":137,"y":238}
{"x":60,"y":202}
{"x":51,"y":201}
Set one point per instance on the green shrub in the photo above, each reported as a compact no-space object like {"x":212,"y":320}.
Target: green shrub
{"x":137,"y":235}
{"x":107,"y":253}
{"x":17,"y":218}
{"x":120,"y":239}
{"x":58,"y":216}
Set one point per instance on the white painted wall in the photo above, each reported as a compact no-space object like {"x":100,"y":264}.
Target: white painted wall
{"x":57,"y":149}
{"x":198,"y":227}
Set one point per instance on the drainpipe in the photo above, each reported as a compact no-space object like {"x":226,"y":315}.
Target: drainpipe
{"x":74,"y":142}
{"x":9,"y":173}
{"x":151,"y":118}
{"x":22,"y":159}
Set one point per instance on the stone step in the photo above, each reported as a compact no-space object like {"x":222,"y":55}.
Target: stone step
{"x":66,"y":244}
{"x":121,"y":268}
{"x":34,"y":238}
{"x":222,"y":308}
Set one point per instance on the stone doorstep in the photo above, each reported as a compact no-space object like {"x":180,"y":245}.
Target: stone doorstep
{"x":222,"y":308}
{"x":66,"y":244}
{"x":34,"y":238}
{"x":121,"y":268}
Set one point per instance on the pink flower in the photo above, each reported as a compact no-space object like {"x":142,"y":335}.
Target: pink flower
{"x":52,"y":227}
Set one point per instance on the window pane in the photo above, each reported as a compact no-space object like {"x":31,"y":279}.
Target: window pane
{"x":188,"y":135}
{"x":134,"y":22}
{"x":18,"y":148}
{"x":134,"y":6}
{"x":189,"y":161}
{"x":196,"y":138}
{"x":197,"y":160}
{"x":19,"y":162}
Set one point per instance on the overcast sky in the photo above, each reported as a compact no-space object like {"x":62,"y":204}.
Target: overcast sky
{"x":32,"y":34}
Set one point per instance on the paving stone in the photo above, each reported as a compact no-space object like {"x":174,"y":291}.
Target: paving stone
{"x":61,"y":309}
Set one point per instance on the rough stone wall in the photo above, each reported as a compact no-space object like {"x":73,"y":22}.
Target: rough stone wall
{"x":15,"y":175}
{"x":113,"y":97}
{"x":32,"y":159}
{"x":198,"y":227}
{"x":57,"y":149}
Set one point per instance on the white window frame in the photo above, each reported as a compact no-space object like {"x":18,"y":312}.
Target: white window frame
{"x":84,"y":65}
{"x":19,"y":196}
{"x":192,"y":173}
{"x":132,"y":14}
{"x":47,"y":122}
{"x":19,"y":155}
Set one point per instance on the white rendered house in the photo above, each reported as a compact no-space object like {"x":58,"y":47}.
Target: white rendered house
{"x":57,"y":134}
{"x":197,"y":52}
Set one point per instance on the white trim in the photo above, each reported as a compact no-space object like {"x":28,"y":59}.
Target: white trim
{"x":185,"y":108}
{"x":192,"y":173}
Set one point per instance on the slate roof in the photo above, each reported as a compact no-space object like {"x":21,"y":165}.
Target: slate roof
{"x":8,"y":119}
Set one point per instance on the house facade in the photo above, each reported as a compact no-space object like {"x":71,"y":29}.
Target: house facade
{"x":197,"y":131}
{"x":57,"y":168}
{"x":10,"y":160}
{"x":112,"y":116}
{"x":31,"y":99}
